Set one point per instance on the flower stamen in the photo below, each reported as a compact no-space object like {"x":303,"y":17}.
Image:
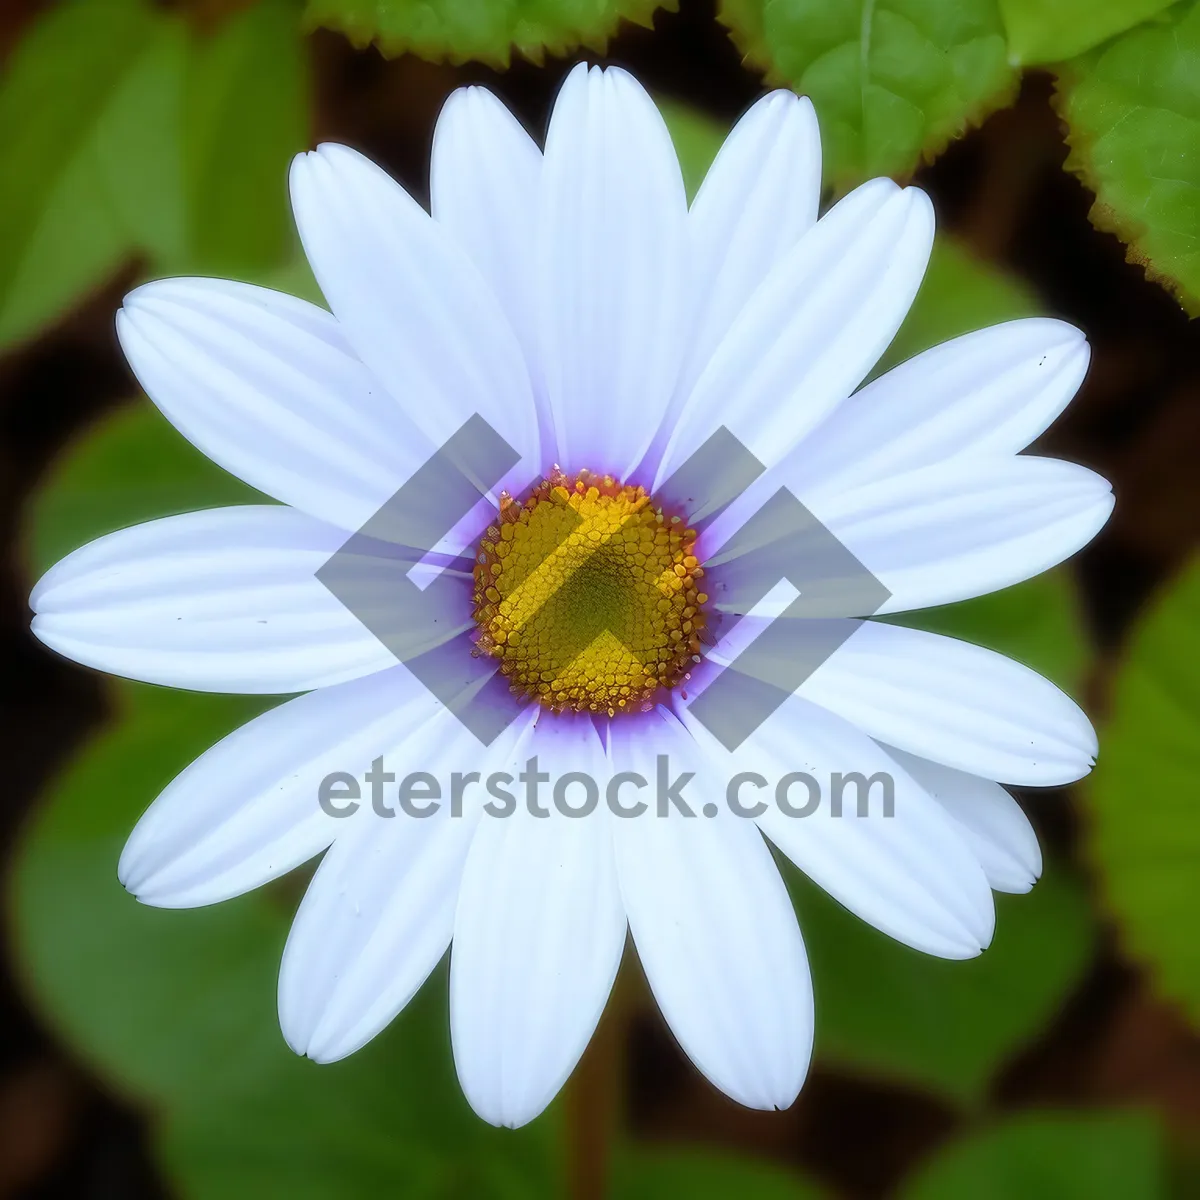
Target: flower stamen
{"x":588,"y":594}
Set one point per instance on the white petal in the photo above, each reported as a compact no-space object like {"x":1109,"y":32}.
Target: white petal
{"x":248,"y":810}
{"x":224,"y":600}
{"x":715,"y":930}
{"x":814,"y":327}
{"x":759,"y":196}
{"x":379,"y":912}
{"x":955,"y":703}
{"x":995,"y":826}
{"x":986,"y":394}
{"x":537,"y":940}
{"x":266,"y":386}
{"x":911,"y":875}
{"x":613,"y":270}
{"x":969,"y":527}
{"x":485,"y":172}
{"x":411,"y":302}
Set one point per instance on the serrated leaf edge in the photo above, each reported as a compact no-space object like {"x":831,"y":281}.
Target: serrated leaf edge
{"x":1103,"y":217}
{"x":757,"y":57}
{"x":360,"y":35}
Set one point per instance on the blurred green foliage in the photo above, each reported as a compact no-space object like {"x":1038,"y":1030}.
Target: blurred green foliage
{"x":485,"y":30}
{"x":245,"y":115}
{"x":130,"y":466}
{"x":125,"y":135}
{"x":958,"y":295}
{"x":1037,"y":622}
{"x":887,"y":1010}
{"x":89,"y":139}
{"x":178,"y":1008}
{"x":128,"y":137}
{"x":1133,"y":114}
{"x":1050,"y":1156}
{"x":697,"y":138}
{"x":702,"y":1175}
{"x":1144,"y":797}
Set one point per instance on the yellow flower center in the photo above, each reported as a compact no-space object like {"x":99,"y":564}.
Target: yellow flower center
{"x":588,"y":594}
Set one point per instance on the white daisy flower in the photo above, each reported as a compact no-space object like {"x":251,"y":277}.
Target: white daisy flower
{"x":605,"y":330}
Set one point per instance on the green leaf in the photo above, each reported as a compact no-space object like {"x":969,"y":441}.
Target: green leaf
{"x":229,"y":1153}
{"x":487,"y":31}
{"x":363,"y":1135}
{"x":178,"y":1007}
{"x":1050,"y":1156}
{"x":698,"y":1174}
{"x":1133,"y":115}
{"x":246,"y":116}
{"x":1145,"y":821}
{"x":390,"y":1120}
{"x":124,"y":982}
{"x":90,"y":161}
{"x":122,"y":138}
{"x":1049,"y":31}
{"x":885,"y":1009}
{"x":132,"y":466}
{"x":893,"y":81}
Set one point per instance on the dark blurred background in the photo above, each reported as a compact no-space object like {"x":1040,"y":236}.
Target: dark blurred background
{"x":1002,"y":191}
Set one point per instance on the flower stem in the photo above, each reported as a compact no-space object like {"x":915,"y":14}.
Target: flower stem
{"x":593,"y":1102}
